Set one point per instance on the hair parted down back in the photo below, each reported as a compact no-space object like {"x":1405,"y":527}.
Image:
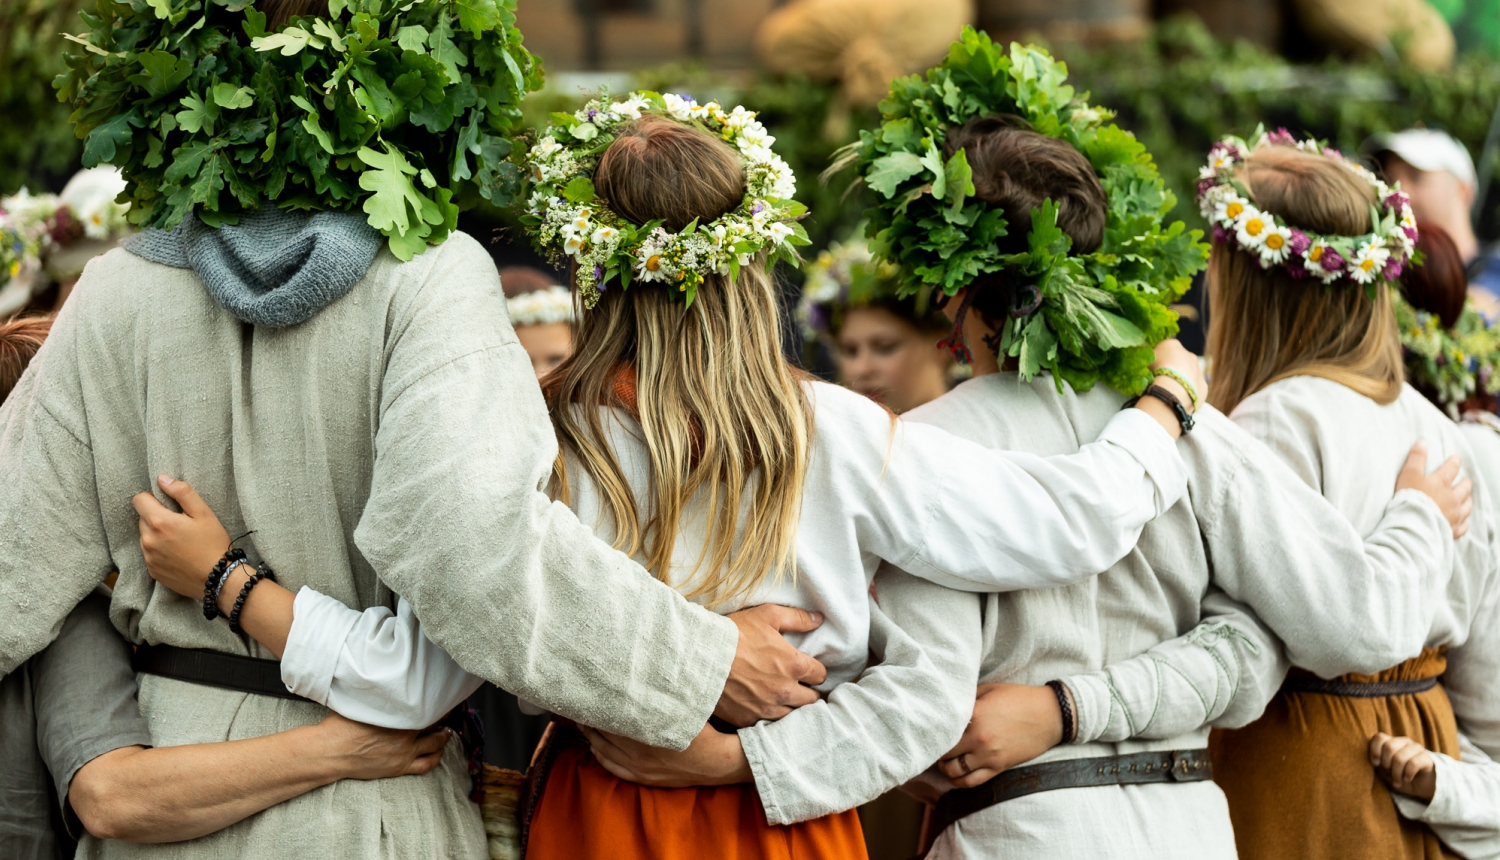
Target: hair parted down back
{"x":1266,"y":325}
{"x":723,"y":415}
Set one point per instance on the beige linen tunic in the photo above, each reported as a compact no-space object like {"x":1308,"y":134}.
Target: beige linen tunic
{"x":1157,"y":649}
{"x":397,"y":441}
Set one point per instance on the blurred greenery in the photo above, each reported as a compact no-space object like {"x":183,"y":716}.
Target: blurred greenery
{"x":37,"y":146}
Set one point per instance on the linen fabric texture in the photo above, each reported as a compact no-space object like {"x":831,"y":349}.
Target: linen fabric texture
{"x":394,"y":442}
{"x":68,"y":705}
{"x":1179,"y":635}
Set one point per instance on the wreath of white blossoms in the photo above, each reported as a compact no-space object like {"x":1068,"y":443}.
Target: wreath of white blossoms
{"x":568,"y":221}
{"x":1374,"y":257}
{"x":541,"y":307}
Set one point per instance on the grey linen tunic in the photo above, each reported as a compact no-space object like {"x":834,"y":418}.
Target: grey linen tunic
{"x":396,"y":442}
{"x":1164,"y":644}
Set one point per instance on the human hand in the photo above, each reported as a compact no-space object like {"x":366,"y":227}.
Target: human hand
{"x":1405,"y":765}
{"x":769,"y":677}
{"x":180,"y":549}
{"x":362,"y":751}
{"x":713,"y":758}
{"x":1012,"y":724}
{"x":1171,"y":354}
{"x":1455,"y":500}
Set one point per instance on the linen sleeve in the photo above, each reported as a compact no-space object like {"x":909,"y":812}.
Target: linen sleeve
{"x":53,"y":549}
{"x":959,"y":514}
{"x":879,"y":731}
{"x":1338,"y":601}
{"x":1221,"y":672}
{"x":506,"y":580}
{"x":1465,"y":810}
{"x":1472,"y":679}
{"x":375,"y":666}
{"x":85,"y":697}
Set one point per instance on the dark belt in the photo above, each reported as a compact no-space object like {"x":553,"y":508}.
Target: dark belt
{"x":1356,"y":689}
{"x":1132,"y":769}
{"x":214,"y":669}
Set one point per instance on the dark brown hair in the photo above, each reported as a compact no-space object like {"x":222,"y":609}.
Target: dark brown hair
{"x":278,"y":12}
{"x":519,"y":280}
{"x":1266,"y":326}
{"x":1441,"y":283}
{"x":19,"y":341}
{"x":640,"y":177}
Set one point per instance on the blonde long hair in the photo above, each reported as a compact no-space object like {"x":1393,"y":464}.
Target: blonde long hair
{"x":1265,"y":326}
{"x":720,"y":408}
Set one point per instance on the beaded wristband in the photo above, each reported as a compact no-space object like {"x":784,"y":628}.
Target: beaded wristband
{"x":215,"y":581}
{"x":263,"y":572}
{"x":1070,"y":728}
{"x":1178,"y":378}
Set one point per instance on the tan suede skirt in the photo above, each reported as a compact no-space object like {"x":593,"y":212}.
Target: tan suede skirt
{"x":1299,"y":779}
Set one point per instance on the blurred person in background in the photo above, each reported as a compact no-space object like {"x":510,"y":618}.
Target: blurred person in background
{"x":541,"y":310}
{"x":49,"y":238}
{"x":1437,"y":173}
{"x":884,"y":347}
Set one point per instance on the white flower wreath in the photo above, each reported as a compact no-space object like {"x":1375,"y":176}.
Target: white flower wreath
{"x":540,"y":307}
{"x":567,"y":219}
{"x":1226,"y":204}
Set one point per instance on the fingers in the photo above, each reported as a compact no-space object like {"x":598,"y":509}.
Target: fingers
{"x":424,"y":764}
{"x":789,"y":619}
{"x":147,"y":507}
{"x":808,"y":670}
{"x":1377,"y":743}
{"x":978,"y":776}
{"x":615,"y":768}
{"x":1408,"y":764}
{"x":432,"y":742}
{"x":1415,"y":467}
{"x":185,"y":496}
{"x":1448,"y":472}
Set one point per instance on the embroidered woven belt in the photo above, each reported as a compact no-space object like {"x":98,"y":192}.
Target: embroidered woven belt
{"x":1132,"y":769}
{"x":1356,"y":689}
{"x":213,"y":669}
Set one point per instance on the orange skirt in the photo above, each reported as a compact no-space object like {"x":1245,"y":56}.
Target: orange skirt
{"x":583,"y":811}
{"x":1299,"y":780}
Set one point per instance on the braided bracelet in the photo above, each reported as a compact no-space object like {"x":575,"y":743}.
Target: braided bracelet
{"x":263,"y":572}
{"x":216,"y":579}
{"x":1178,"y":378}
{"x":1184,"y":417}
{"x":1070,"y":728}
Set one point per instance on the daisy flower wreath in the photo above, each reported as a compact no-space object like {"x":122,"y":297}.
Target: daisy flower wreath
{"x":1367,"y":260}
{"x":1095,"y":316}
{"x":569,"y":222}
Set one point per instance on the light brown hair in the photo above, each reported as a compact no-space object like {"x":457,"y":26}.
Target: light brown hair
{"x":19,"y":341}
{"x":720,"y":408}
{"x":1265,"y":325}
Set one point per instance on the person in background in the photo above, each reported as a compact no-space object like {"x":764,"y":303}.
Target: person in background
{"x":884,"y":347}
{"x":20,"y":338}
{"x":541,"y":310}
{"x":1437,"y":173}
{"x":1452,"y":355}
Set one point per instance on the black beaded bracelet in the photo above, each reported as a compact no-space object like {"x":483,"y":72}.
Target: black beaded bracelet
{"x":1184,"y":417}
{"x":263,"y":572}
{"x":1070,"y":728}
{"x":215,"y":581}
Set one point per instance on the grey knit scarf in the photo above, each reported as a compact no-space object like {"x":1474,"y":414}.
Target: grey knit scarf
{"x":275,"y":268}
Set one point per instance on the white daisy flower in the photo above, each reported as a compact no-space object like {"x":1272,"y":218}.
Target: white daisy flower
{"x":1229,"y":206}
{"x":630,"y":108}
{"x":605,"y":236}
{"x":678,"y":107}
{"x":1251,"y":227}
{"x":1369,"y":261}
{"x":1276,"y":245}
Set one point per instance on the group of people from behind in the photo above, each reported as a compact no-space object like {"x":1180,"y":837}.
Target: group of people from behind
{"x":1180,"y":620}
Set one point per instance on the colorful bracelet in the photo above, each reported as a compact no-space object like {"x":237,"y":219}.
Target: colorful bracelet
{"x":1180,"y":380}
{"x":215,"y":581}
{"x":1070,"y":727}
{"x":263,"y":572}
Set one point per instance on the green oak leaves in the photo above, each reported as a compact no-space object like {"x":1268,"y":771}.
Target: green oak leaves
{"x":402,"y":110}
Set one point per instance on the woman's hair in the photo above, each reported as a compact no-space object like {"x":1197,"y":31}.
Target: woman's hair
{"x":519,"y":280}
{"x":721,"y":411}
{"x":1440,"y":285}
{"x":278,"y":12}
{"x":928,"y":320}
{"x":1266,"y":325}
{"x":19,"y":341}
{"x":1015,"y":169}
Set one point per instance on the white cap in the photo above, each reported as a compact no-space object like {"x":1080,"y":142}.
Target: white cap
{"x":1426,"y":149}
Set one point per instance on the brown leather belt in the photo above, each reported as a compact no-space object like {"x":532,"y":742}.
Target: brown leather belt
{"x":1356,"y":689}
{"x":214,"y":669}
{"x":1132,"y":769}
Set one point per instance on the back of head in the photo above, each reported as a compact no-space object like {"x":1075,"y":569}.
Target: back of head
{"x":1267,"y":325}
{"x":1440,"y":285}
{"x":19,"y":341}
{"x":716,"y":399}
{"x":519,"y":280}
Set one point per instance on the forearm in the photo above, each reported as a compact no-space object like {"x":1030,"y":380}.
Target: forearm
{"x":1465,"y":810}
{"x":169,"y":794}
{"x":267,"y":612}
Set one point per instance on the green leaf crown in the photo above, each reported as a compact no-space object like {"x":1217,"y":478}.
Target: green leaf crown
{"x":567,"y":220}
{"x":1453,"y":364}
{"x":1099,"y":314}
{"x":399,"y":110}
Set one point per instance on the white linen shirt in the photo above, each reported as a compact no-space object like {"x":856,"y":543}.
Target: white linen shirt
{"x":877,"y":489}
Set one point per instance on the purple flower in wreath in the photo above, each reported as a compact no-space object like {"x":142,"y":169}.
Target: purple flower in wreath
{"x":1281,"y":136}
{"x":1397,"y":200}
{"x":1295,"y":268}
{"x":599,"y":277}
{"x":1411,"y":233}
{"x":1223,"y":236}
{"x":1299,"y":244}
{"x":1204,"y":185}
{"x":1332,"y":260}
{"x":1393,"y":268}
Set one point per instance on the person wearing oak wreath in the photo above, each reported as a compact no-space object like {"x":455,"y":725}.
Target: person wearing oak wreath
{"x":1307,"y":358}
{"x":1452,"y":353}
{"x":1104,"y":691}
{"x":301,"y":331}
{"x":690,"y":441}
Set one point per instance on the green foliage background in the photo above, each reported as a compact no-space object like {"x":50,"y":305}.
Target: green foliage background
{"x":36,"y":143}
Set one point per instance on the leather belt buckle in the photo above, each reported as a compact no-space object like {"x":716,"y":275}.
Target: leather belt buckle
{"x":1186,"y":764}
